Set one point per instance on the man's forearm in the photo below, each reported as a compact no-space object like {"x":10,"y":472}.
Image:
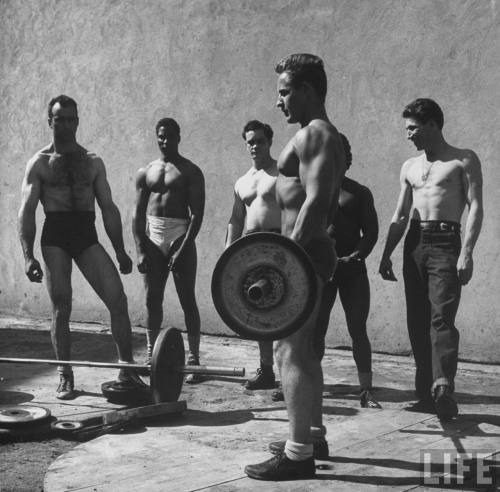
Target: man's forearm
{"x":396,"y":231}
{"x":139,"y":232}
{"x":472,"y":229}
{"x":113,"y":226}
{"x":307,"y":218}
{"x":233,"y":232}
{"x":27,"y":233}
{"x":366,"y":245}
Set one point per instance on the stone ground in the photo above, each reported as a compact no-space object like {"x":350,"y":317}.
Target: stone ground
{"x":227,"y":427}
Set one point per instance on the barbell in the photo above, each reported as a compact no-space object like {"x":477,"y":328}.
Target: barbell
{"x":166,"y":371}
{"x":264,"y":286}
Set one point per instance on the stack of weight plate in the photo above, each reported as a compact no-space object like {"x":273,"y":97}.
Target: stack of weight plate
{"x":23,"y":421}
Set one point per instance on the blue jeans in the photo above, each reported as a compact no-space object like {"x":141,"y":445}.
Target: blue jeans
{"x":432,"y":290}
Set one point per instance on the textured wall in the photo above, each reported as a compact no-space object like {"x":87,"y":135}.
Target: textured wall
{"x":209,"y":64}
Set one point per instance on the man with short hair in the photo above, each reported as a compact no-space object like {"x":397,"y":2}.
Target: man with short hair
{"x":311,"y":167}
{"x":437,"y":185}
{"x":68,"y":179}
{"x":255,"y":204}
{"x":170,"y":202}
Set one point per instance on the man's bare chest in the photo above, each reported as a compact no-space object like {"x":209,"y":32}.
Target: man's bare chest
{"x":73,"y":170}
{"x":162,"y":178}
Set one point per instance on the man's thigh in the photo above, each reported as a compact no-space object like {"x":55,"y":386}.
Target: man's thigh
{"x":185,"y":271}
{"x":58,"y":265}
{"x":100,"y":271}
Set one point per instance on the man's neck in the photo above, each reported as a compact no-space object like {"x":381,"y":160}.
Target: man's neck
{"x":264,"y":163}
{"x":171,"y":157}
{"x":314,"y":112}
{"x":64,"y":146}
{"x":436,"y":150}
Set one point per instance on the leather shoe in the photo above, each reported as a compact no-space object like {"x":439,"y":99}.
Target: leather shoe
{"x":367,"y":400}
{"x":66,"y":388}
{"x":279,"y":467}
{"x":320,"y":449}
{"x":446,"y":406}
{"x":264,"y":379}
{"x":425,"y":405}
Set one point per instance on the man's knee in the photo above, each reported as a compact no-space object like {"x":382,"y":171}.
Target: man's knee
{"x":61,"y":307}
{"x":154,"y":301}
{"x":118,"y":303}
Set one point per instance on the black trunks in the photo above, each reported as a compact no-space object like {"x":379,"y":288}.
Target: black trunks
{"x":72,"y":231}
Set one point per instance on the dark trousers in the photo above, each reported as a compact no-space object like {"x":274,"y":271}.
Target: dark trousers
{"x":432,"y":292}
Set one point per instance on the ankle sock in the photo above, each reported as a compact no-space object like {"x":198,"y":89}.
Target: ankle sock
{"x":296,"y":451}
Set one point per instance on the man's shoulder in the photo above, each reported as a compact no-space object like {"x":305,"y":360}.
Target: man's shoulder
{"x":465,"y":156}
{"x":191,"y":168}
{"x":356,"y":188}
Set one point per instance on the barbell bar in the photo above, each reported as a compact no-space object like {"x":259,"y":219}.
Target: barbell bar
{"x":184,"y":369}
{"x":166,"y":370}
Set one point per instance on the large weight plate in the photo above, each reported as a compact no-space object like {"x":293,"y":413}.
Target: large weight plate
{"x":15,"y":415}
{"x":168,"y":353}
{"x":283,"y":308}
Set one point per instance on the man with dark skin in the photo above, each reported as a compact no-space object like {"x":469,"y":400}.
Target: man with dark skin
{"x":437,"y":185}
{"x":355,"y":232}
{"x":67,"y":179}
{"x":170,"y":202}
{"x":256,"y":208}
{"x":311,"y":168}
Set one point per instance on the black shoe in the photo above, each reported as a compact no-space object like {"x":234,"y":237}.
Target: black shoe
{"x":367,"y":400}
{"x":425,"y":405}
{"x":320,"y":449}
{"x":278,"y":395}
{"x":446,"y":406}
{"x":279,"y":467}
{"x":66,"y":388}
{"x":264,"y":379}
{"x":129,"y":378}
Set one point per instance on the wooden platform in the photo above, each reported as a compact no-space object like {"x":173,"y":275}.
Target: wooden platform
{"x":369,"y":449}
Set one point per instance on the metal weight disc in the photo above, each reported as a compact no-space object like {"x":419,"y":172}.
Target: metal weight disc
{"x":66,"y":426}
{"x":14,"y":415}
{"x":168,"y":353}
{"x":264,"y":286}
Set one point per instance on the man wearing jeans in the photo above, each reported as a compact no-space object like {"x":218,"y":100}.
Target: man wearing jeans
{"x":438,"y":184}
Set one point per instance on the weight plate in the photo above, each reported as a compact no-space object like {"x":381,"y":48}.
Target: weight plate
{"x":14,"y":415}
{"x":125,"y":393}
{"x":264,"y":286}
{"x":168,"y":353}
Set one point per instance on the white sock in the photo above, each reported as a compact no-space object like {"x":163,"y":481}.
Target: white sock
{"x":297,"y":451}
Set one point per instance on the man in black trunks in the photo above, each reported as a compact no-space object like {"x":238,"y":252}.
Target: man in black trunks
{"x":355,"y":231}
{"x":67,"y":179}
{"x":311,"y":168}
{"x":256,"y":208}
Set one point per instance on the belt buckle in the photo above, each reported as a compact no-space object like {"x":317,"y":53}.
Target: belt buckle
{"x":444,"y":227}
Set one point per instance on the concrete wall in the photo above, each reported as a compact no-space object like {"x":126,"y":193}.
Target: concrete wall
{"x":209,"y":64}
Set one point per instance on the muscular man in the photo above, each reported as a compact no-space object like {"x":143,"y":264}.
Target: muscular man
{"x":67,"y":179}
{"x":169,"y":208}
{"x":355,"y":231}
{"x":255,"y":202}
{"x":438,"y":184}
{"x":311,"y":167}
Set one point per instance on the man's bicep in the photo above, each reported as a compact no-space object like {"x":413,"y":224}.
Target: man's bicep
{"x":102,"y":190}
{"x":368,"y":213}
{"x":31,"y":188}
{"x":238,"y":213}
{"x":473,"y":180}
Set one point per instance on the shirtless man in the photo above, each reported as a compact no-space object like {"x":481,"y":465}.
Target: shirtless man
{"x":438,"y":184}
{"x":170,"y":201}
{"x":311,"y":167}
{"x":255,"y":202}
{"x":355,"y":231}
{"x":67,"y":179}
